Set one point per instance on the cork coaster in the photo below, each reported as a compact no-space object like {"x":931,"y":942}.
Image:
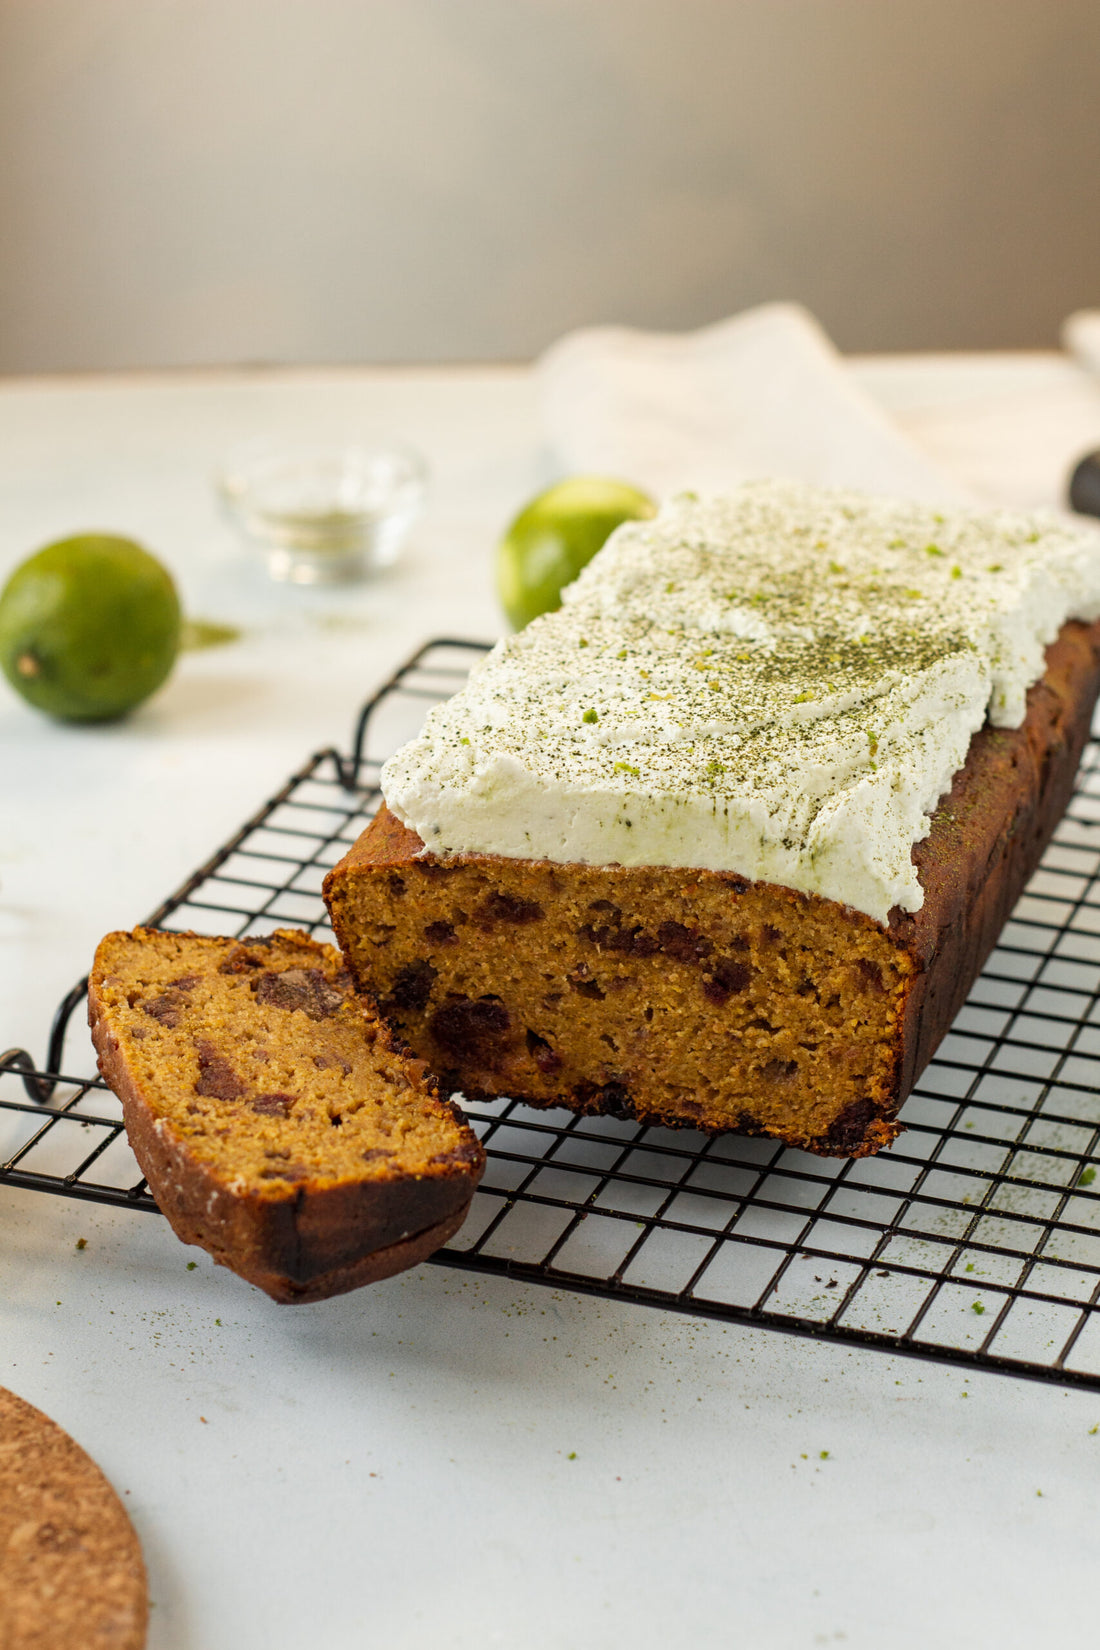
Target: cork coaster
{"x":71,"y":1571}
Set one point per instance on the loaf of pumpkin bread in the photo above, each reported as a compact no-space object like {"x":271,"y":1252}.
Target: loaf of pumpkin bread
{"x":725,"y":841}
{"x":277,"y":1121}
{"x":701,"y":998}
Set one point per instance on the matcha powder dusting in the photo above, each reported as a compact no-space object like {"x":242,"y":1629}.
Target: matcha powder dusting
{"x":780,"y":682}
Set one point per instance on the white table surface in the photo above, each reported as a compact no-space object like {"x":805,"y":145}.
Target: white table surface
{"x":446,"y":1460}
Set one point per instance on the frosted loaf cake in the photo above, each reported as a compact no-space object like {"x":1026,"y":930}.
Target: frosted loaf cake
{"x":750,"y":811}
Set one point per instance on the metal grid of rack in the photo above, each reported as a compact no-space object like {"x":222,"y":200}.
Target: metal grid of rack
{"x":974,"y":1240}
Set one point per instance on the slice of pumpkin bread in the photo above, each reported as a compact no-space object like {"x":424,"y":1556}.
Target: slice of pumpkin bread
{"x":277,"y":1122}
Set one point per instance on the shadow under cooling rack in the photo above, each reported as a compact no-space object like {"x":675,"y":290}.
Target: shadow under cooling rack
{"x":974,"y":1240}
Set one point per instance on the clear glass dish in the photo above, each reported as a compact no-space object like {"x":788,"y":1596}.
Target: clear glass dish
{"x":324,"y":512}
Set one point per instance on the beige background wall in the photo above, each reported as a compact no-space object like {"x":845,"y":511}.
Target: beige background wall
{"x":322,"y":180}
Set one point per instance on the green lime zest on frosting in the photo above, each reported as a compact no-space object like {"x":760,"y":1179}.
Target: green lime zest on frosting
{"x":897,"y":664}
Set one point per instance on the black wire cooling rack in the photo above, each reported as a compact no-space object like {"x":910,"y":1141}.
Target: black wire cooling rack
{"x":974,"y":1240}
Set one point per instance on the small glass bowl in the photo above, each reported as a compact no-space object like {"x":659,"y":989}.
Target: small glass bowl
{"x":324,"y":513}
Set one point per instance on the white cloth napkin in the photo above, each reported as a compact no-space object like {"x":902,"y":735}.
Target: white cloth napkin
{"x":1081,"y":337}
{"x":764,"y":393}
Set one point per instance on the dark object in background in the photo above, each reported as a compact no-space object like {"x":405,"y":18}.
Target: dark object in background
{"x":1084,"y":486}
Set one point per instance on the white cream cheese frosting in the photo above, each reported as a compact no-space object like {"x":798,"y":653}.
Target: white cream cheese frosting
{"x":780,"y":682}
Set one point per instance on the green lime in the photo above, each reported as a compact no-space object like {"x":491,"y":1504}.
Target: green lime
{"x":555,"y":536}
{"x":89,"y":627}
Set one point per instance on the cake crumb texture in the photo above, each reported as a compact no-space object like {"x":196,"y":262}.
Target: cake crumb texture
{"x":693,"y":997}
{"x":277,"y":1121}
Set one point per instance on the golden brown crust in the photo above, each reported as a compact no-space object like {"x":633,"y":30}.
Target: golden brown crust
{"x":987,"y":837}
{"x":314,"y":1228}
{"x":832,"y":1079}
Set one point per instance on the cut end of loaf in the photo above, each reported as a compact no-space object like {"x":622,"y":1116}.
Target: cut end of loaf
{"x":685,"y":998}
